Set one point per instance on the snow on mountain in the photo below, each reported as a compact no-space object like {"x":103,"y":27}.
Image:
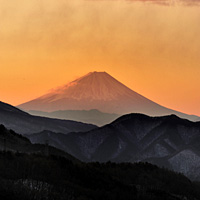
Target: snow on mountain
{"x":186,"y":162}
{"x":98,"y":90}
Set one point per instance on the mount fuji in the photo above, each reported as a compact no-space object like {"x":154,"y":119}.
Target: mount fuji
{"x":100,"y":91}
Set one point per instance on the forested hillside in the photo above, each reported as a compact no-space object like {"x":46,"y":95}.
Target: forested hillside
{"x":35,"y":176}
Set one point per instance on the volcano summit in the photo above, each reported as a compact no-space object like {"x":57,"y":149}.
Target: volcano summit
{"x":98,"y":90}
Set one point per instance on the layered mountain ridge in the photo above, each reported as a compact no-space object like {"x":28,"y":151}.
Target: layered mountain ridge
{"x":167,"y":141}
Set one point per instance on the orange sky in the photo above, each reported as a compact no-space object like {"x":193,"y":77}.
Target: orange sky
{"x":153,"y":49}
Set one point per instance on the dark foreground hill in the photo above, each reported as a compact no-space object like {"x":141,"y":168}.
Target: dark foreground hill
{"x":11,"y":141}
{"x":37,"y":177}
{"x":167,"y":141}
{"x":24,"y":123}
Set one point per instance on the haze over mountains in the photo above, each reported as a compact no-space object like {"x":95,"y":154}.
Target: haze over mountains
{"x":24,"y":123}
{"x":97,"y":90}
{"x":166,"y":141}
{"x":86,"y":116}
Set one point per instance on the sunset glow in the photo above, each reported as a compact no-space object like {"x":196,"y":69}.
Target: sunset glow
{"x":153,"y":49}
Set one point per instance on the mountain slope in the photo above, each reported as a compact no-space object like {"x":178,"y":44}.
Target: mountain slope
{"x":24,"y":123}
{"x":11,"y":141}
{"x":167,"y":141}
{"x":98,"y":90}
